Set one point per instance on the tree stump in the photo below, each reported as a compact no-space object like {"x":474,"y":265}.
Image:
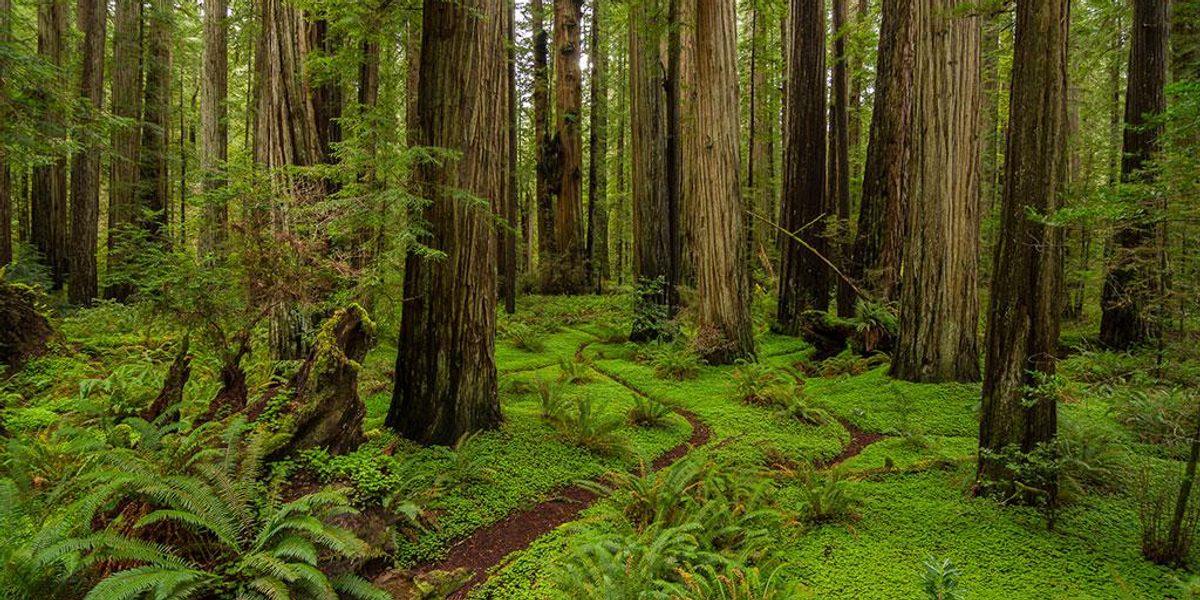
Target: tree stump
{"x":325,"y":410}
{"x":172,"y":389}
{"x":24,"y":331}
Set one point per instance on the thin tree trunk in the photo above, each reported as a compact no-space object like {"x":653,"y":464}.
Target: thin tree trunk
{"x":989,"y":119}
{"x":622,"y":192}
{"x":839,"y":156}
{"x":653,"y":268}
{"x":569,"y":273}
{"x":939,"y":298}
{"x":597,"y":241}
{"x":1026,"y":292}
{"x":92,"y":16}
{"x":214,"y":124}
{"x":879,"y":240}
{"x":546,"y":157}
{"x":6,"y":203}
{"x":1132,"y":286}
{"x":124,"y":212}
{"x":507,"y":247}
{"x":445,"y":368}
{"x":804,"y":277}
{"x":722,"y":290}
{"x":48,"y":199}
{"x":758,"y":171}
{"x":154,"y":190}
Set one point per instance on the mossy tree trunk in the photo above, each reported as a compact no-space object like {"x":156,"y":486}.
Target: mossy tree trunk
{"x":445,"y":368}
{"x":1026,"y":291}
{"x":85,"y":169}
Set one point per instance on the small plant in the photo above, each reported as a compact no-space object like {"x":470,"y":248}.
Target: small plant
{"x":736,"y":582}
{"x":1161,"y":416}
{"x":648,"y":412}
{"x":1168,"y":527}
{"x":677,"y":364}
{"x":583,"y":426}
{"x":877,"y":324}
{"x":1093,"y":459}
{"x":553,"y":402}
{"x":525,"y":337}
{"x":753,"y":381}
{"x":464,"y":463}
{"x":574,"y":372}
{"x":941,"y":580}
{"x":827,"y":496}
{"x":799,"y":408}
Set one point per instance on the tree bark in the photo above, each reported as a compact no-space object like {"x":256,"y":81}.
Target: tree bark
{"x":804,"y":277}
{"x":1026,"y":291}
{"x":569,"y":273}
{"x":154,"y":190}
{"x":214,"y":124}
{"x":758,"y":170}
{"x":722,"y":287}
{"x":92,"y":16}
{"x":285,"y":135}
{"x":939,"y":299}
{"x":6,"y":204}
{"x":653,"y":268}
{"x":48,"y":199}
{"x":445,"y":368}
{"x":1132,"y":287}
{"x":839,"y":156}
{"x":597,"y":249}
{"x":508,"y":235}
{"x":546,"y":155}
{"x":879,"y":240}
{"x":126,"y":93}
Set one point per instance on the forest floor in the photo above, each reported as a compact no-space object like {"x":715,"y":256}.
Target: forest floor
{"x":508,"y":505}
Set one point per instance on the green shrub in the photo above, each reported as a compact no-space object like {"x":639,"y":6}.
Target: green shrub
{"x":674,"y":363}
{"x":752,"y":382}
{"x":941,"y":580}
{"x":826,"y":496}
{"x":574,"y":371}
{"x":524,"y":337}
{"x":648,"y":412}
{"x":581,"y":425}
{"x":736,"y":582}
{"x":1157,"y":416}
{"x":463,"y":463}
{"x":1093,"y":459}
{"x":553,"y":401}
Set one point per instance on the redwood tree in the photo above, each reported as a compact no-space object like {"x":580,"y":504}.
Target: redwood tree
{"x":445,"y":368}
{"x":5,"y":178}
{"x":879,"y":239}
{"x":939,"y":299}
{"x":214,"y":122}
{"x":722,"y":287}
{"x":1026,"y":291}
{"x":804,"y":277}
{"x":126,"y":98}
{"x":838,"y":185}
{"x":92,"y":16}
{"x":654,"y":259}
{"x":597,"y":231}
{"x":48,"y":197}
{"x":546,"y":154}
{"x":1132,"y":286}
{"x":154,"y":190}
{"x":569,"y":274}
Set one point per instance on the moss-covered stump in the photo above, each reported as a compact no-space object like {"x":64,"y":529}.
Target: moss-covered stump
{"x":324,"y":409}
{"x":24,"y":330}
{"x":172,"y":389}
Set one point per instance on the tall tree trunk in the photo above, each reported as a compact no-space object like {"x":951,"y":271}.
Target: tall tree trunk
{"x":879,"y":240}
{"x":48,"y":199}
{"x":214,"y":124}
{"x":546,"y":154}
{"x":92,"y":16}
{"x":758,"y":171}
{"x":989,"y":119}
{"x":126,"y":93}
{"x":507,"y":235}
{"x":622,"y":210}
{"x":681,"y":122}
{"x":1026,"y":296}
{"x":722,"y":287}
{"x":653,"y":256}
{"x":445,"y":368}
{"x":597,"y":241}
{"x":569,"y":274}
{"x":154,"y":190}
{"x":6,"y":203}
{"x":285,"y":135}
{"x":839,"y":155}
{"x":1132,"y":286}
{"x":858,"y":80}
{"x":939,"y":299}
{"x":804,"y":277}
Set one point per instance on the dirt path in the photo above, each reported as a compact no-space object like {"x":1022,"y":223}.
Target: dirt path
{"x":487,"y":547}
{"x":859,"y":440}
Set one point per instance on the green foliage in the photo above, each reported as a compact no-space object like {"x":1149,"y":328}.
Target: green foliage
{"x":753,"y":382}
{"x":1093,"y":459}
{"x":675,"y":363}
{"x":464,"y":463}
{"x":553,"y":402}
{"x":582,"y":425}
{"x":1164,"y":540}
{"x":875,"y":323}
{"x":941,"y":580}
{"x":525,"y":337}
{"x":1157,"y":416}
{"x":648,"y":412}
{"x":574,"y":371}
{"x":826,"y":496}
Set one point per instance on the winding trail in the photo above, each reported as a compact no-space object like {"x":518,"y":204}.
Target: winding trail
{"x":487,"y":547}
